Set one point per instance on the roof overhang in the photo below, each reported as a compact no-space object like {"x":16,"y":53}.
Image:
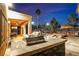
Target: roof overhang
{"x":17,"y":18}
{"x":16,"y":22}
{"x":16,"y":15}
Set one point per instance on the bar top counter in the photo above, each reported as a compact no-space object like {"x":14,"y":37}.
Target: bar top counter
{"x":33,"y":49}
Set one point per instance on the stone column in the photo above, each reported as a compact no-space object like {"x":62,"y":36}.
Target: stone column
{"x":29,"y":27}
{"x":21,"y":30}
{"x":24,"y":30}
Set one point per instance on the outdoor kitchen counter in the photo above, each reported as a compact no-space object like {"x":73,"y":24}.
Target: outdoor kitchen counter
{"x":38,"y":49}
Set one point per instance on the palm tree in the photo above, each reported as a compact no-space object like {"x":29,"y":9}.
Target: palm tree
{"x":73,"y":20}
{"x":54,"y":25}
{"x":38,"y":12}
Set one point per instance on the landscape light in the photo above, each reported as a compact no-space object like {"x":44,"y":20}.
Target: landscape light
{"x":33,"y":22}
{"x":47,"y":24}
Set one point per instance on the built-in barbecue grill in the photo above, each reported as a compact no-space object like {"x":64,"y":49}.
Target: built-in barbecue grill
{"x":35,"y":40}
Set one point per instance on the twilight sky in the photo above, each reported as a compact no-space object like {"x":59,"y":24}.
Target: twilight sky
{"x":60,"y":11}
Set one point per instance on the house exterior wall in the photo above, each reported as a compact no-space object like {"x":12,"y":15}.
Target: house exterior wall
{"x":3,"y":29}
{"x":20,"y":16}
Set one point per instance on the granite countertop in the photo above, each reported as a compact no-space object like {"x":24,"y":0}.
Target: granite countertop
{"x":29,"y":50}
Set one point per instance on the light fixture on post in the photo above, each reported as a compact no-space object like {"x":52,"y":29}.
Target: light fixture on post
{"x":33,"y":22}
{"x":47,"y":24}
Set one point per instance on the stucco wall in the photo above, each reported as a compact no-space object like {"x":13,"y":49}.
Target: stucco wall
{"x":3,"y":28}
